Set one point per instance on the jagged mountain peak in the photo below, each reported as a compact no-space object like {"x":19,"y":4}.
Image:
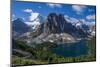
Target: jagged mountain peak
{"x":35,"y":21}
{"x":18,"y":20}
{"x":56,"y":23}
{"x":19,"y":27}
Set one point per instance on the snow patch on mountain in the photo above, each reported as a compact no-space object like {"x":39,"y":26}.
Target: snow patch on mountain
{"x":34,"y":20}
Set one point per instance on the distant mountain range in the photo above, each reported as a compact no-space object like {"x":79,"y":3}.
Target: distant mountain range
{"x":19,"y":27}
{"x":55,"y":28}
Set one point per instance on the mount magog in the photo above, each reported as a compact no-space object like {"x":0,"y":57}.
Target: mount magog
{"x":55,"y":28}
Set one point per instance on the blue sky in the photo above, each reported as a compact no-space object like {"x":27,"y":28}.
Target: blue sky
{"x":25,"y":9}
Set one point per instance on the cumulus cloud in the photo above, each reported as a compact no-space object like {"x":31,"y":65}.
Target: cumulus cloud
{"x":54,"y":5}
{"x":90,"y":17}
{"x":33,"y":16}
{"x":28,"y":10}
{"x":33,"y":20}
{"x":71,"y":19}
{"x":78,"y":8}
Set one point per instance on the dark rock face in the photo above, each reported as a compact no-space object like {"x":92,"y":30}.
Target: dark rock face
{"x":19,"y":27}
{"x":56,"y":23}
{"x":51,"y":24}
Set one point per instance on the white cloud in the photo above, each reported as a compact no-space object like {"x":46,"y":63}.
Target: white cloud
{"x":32,"y":23}
{"x":33,"y":16}
{"x":90,"y":17}
{"x":28,"y":10}
{"x":71,"y":19}
{"x":33,"y":20}
{"x":54,"y":5}
{"x":78,"y":8}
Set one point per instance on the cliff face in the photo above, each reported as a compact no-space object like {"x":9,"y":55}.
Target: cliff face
{"x":54,"y":29}
{"x":56,"y":23}
{"x":57,"y":29}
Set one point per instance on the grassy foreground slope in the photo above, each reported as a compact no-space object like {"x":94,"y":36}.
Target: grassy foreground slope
{"x":42,"y":54}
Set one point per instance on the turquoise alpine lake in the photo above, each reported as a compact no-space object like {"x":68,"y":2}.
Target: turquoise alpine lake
{"x":71,"y":49}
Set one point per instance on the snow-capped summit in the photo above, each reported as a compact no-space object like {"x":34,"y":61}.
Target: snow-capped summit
{"x":71,"y":20}
{"x":35,"y":20}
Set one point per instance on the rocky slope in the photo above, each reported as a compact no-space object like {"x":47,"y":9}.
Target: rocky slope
{"x":54,"y":29}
